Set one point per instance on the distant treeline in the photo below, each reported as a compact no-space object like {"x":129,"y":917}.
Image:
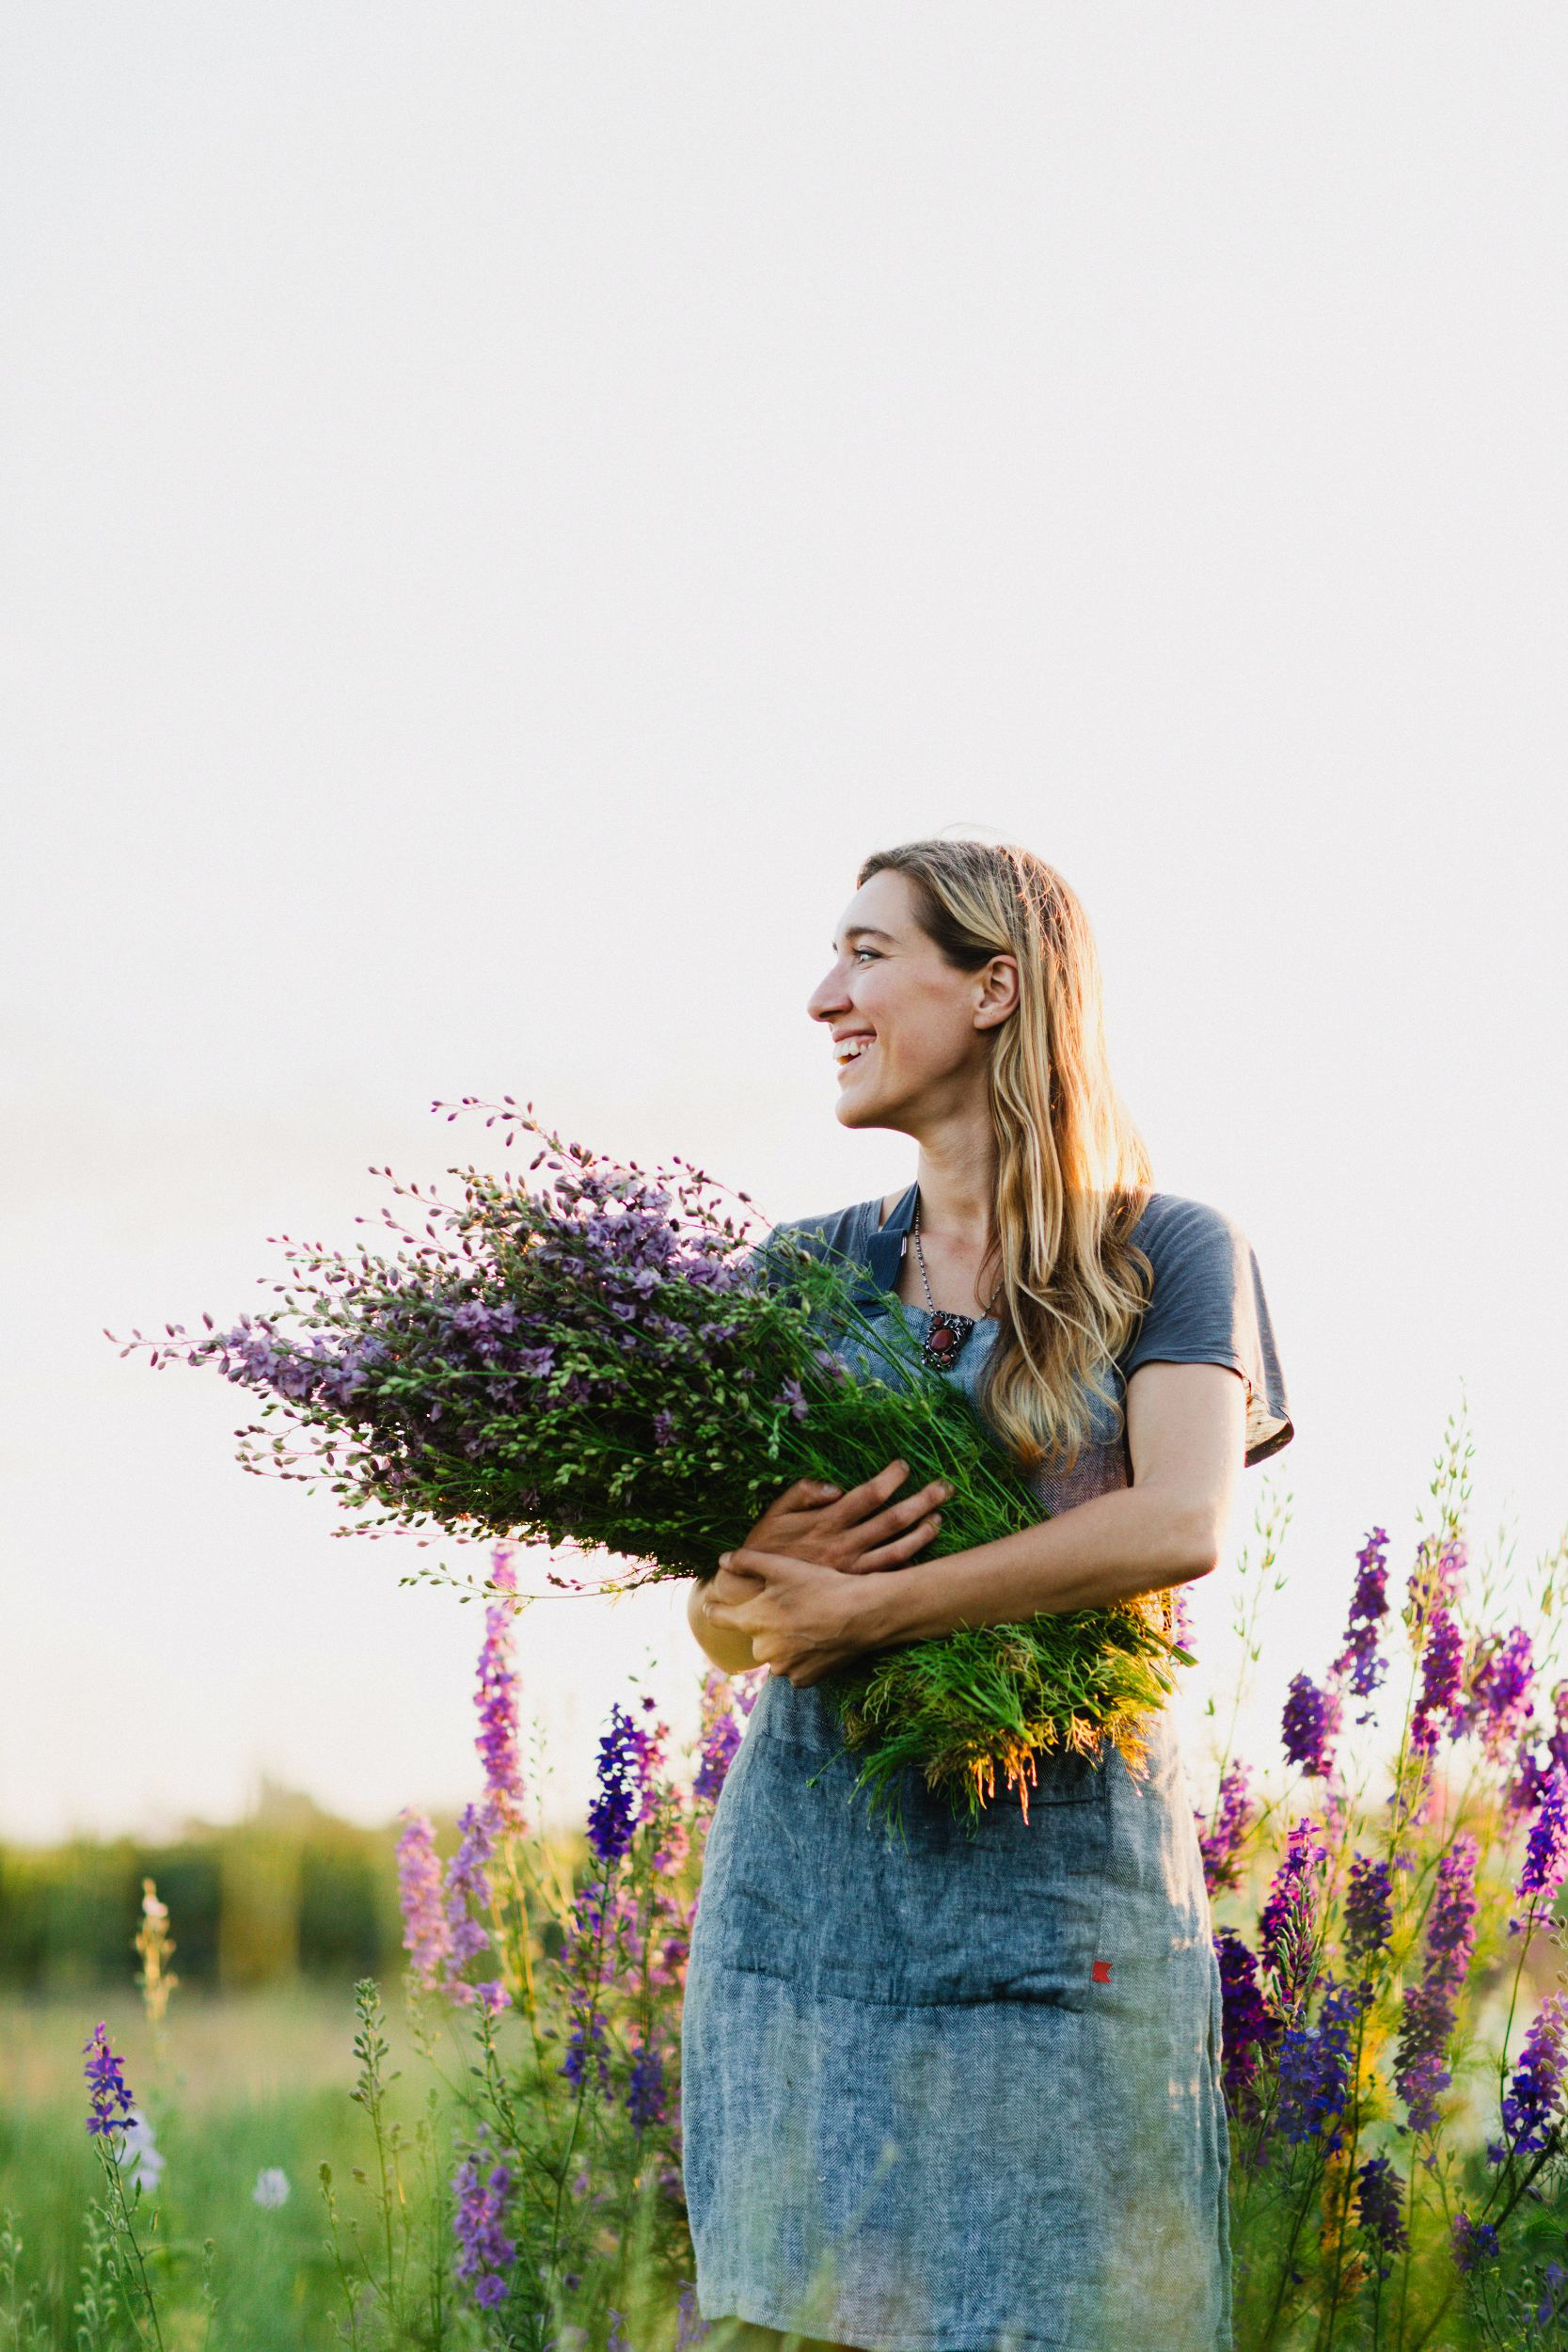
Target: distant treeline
{"x":289,"y":1891}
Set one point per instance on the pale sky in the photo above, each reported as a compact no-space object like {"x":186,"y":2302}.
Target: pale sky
{"x":506,"y":508}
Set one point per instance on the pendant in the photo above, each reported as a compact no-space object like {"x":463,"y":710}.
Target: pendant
{"x":945,"y":1337}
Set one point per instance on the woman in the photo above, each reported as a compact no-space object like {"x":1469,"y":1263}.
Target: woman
{"x":955,"y":2095}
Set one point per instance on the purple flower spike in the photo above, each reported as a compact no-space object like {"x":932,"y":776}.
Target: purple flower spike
{"x":1500,"y":1707}
{"x":646,"y":2090}
{"x":1368,"y":1907}
{"x":1428,"y":2021}
{"x":1248,"y":2027}
{"x":617,"y":1803}
{"x":1288,"y":1919}
{"x":1311,"y":1724}
{"x":485,"y":2251}
{"x":1361,"y":1660}
{"x":112,"y":2104}
{"x":1315,"y":2063}
{"x":1545,"y":1863}
{"x":425,"y":1933}
{"x":1234,"y":1814}
{"x":467,"y":1892}
{"x":1533,"y":2099}
{"x":1442,"y":1673}
{"x":495,"y":1698}
{"x":1473,"y":2242}
{"x":1380,"y":2207}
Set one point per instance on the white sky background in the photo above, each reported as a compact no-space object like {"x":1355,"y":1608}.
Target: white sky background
{"x":506,"y":506}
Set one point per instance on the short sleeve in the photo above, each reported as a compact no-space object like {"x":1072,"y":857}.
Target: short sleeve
{"x":1208,"y":1307}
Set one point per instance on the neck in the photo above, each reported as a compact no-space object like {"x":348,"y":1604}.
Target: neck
{"x":956,"y":1175}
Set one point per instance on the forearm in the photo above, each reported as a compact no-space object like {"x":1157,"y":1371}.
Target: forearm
{"x":730,"y":1651}
{"x":1135,"y":1540}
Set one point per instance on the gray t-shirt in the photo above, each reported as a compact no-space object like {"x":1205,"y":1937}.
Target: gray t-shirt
{"x":1206,"y":1307}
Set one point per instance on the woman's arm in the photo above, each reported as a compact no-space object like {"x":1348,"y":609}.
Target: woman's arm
{"x":1186,"y":1439}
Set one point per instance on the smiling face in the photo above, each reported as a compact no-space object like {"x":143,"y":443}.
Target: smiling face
{"x":913,"y":1032}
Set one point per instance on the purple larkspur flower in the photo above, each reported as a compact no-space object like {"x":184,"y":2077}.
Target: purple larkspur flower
{"x":485,"y":2252}
{"x":1473,"y":2242}
{"x":1533,"y":2100}
{"x":617,"y":1802}
{"x":587,"y":2047}
{"x":468,"y":1893}
{"x":1545,"y":1863}
{"x":1288,"y":1920}
{"x":1369,"y":1906}
{"x":719,"y":1743}
{"x":1500,"y":1705}
{"x":646,"y":2093}
{"x":792,"y":1394}
{"x":1248,"y":2027}
{"x":1234,"y":1812}
{"x":1442,"y":1674}
{"x":690,"y":2327}
{"x":105,"y":2072}
{"x":1315,"y":2065}
{"x":425,"y":1933}
{"x":1380,"y":2207}
{"x":1428,"y":2005}
{"x":1361,"y":1665}
{"x":664,"y":1429}
{"x":1311,"y":1724}
{"x":495,"y":1698}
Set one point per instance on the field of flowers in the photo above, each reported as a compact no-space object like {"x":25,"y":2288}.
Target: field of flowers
{"x":505,"y":2168}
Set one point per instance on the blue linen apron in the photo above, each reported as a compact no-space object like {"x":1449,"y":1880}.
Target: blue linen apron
{"x":961,"y":2092}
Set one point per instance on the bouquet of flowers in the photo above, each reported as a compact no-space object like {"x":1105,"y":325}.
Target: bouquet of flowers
{"x":608,"y":1364}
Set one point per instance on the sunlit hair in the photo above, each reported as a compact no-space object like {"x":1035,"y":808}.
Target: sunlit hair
{"x":1073,"y":1173}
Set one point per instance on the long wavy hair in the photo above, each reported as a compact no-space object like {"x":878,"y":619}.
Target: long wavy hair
{"x":1073,"y":1173}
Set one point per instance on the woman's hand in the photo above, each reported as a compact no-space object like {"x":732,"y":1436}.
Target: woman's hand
{"x":858,"y":1532}
{"x":801,"y":1618}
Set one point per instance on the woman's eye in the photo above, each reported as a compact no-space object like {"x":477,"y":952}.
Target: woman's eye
{"x":865,"y":952}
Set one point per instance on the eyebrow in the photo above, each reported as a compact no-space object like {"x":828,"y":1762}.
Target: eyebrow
{"x":863,"y":931}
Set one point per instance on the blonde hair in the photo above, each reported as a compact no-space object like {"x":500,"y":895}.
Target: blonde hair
{"x":1073,"y":1173}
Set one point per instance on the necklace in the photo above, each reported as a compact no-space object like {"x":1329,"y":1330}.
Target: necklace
{"x":948,"y":1332}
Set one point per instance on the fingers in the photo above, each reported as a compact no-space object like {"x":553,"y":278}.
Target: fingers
{"x":903,"y":1548}
{"x":896,"y":1516}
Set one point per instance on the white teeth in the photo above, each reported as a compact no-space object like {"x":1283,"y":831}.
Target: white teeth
{"x":852,"y":1048}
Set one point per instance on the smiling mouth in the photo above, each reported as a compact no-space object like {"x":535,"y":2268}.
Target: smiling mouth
{"x":853,"y":1050}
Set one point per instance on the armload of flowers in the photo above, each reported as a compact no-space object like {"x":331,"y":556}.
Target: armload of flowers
{"x":606,"y":1364}
{"x":1396,"y":2180}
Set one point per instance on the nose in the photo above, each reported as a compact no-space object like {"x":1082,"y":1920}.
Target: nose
{"x":828,"y":996}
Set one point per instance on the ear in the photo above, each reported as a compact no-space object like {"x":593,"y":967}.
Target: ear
{"x":996,"y":992}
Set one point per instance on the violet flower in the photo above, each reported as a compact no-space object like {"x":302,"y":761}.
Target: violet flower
{"x":425,"y":1933}
{"x":1315,"y":2067}
{"x":1442,"y":1668}
{"x":1361,"y":1660}
{"x":646,"y":2093}
{"x":614,"y":1815}
{"x":1380,"y":2207}
{"x":1500,"y":1706}
{"x":485,"y":2251}
{"x":1533,"y":2099}
{"x":1288,"y":1921}
{"x":1234,"y":1813}
{"x":1368,"y":1907}
{"x":1311,"y":1724}
{"x":1430,"y":2005}
{"x":495,"y":1698}
{"x":1545,"y":1863}
{"x":1473,"y":2242}
{"x":467,"y":1892}
{"x":112,"y":2105}
{"x":1248,"y":2028}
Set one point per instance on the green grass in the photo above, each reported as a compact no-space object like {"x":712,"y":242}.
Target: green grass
{"x":247,"y":2084}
